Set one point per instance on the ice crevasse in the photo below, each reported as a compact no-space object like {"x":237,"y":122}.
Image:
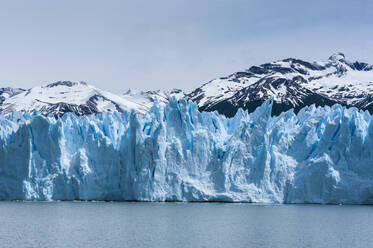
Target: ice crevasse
{"x":176,"y":153}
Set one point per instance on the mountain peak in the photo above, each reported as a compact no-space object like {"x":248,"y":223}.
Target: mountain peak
{"x":65,"y":83}
{"x":337,"y":57}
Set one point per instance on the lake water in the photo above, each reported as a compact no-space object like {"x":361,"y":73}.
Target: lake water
{"x":130,"y":224}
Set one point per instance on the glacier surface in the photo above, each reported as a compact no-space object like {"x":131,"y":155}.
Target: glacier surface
{"x":176,"y":153}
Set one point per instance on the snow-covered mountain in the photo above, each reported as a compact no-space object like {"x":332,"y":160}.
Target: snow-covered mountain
{"x":293,"y":83}
{"x":79,"y":97}
{"x":7,"y":92}
{"x":148,"y":98}
{"x":65,"y":96}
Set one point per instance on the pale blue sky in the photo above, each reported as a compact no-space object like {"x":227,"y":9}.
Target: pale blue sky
{"x":117,"y":45}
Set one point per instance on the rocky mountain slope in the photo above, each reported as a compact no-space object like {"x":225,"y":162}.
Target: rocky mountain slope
{"x":292,"y":83}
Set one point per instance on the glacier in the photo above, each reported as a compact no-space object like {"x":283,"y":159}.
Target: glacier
{"x":176,"y":153}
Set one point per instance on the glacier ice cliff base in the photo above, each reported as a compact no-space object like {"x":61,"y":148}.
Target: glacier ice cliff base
{"x":176,"y":153}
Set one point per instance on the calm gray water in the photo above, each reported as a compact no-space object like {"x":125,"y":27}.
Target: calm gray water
{"x":80,"y":224}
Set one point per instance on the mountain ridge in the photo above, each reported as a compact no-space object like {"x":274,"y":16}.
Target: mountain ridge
{"x":292,"y":83}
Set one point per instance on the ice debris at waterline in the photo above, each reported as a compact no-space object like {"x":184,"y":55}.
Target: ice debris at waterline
{"x":175,"y":153}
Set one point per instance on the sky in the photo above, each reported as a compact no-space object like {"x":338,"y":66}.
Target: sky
{"x":148,"y":45}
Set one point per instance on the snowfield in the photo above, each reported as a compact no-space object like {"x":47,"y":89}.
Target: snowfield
{"x":175,"y":153}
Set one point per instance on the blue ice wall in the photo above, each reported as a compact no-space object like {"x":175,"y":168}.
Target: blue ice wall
{"x":176,"y":153}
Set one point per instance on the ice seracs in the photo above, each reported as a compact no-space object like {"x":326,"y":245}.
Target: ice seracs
{"x":176,"y":153}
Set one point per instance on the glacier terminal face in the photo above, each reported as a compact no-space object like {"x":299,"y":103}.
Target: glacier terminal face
{"x":176,"y":153}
